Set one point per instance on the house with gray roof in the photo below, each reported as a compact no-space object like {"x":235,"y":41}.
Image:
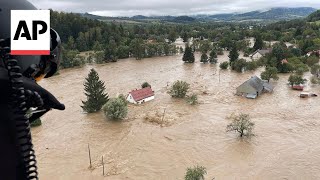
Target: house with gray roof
{"x":254,"y":87}
{"x":260,"y":53}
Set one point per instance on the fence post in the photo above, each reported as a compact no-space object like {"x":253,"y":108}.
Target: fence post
{"x":89,"y":155}
{"x":102,"y":166}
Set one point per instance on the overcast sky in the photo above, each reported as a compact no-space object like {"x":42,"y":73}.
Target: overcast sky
{"x":167,"y":7}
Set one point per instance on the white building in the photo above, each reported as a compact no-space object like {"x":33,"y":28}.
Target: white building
{"x":140,"y":96}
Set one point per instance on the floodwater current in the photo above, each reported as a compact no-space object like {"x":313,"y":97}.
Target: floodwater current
{"x":285,"y":145}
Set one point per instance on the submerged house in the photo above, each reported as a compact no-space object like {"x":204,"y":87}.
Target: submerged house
{"x":254,"y":87}
{"x":260,"y":53}
{"x":141,"y":95}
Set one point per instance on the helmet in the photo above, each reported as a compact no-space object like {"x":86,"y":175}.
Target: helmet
{"x":34,"y":66}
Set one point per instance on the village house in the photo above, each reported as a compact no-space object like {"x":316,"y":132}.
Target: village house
{"x":253,"y":87}
{"x":259,"y":53}
{"x":141,"y":95}
{"x":317,"y":53}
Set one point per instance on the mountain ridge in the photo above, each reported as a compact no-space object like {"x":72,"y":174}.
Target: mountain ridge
{"x":273,"y":14}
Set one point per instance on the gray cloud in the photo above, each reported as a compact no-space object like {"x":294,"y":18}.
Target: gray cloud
{"x":167,"y":7}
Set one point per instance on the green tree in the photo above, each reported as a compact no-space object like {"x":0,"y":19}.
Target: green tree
{"x":251,"y":66}
{"x":188,"y":55}
{"x":110,"y":52}
{"x":204,"y":46}
{"x":280,"y":51}
{"x":213,"y":57}
{"x":315,"y":70}
{"x":145,"y":84}
{"x":95,"y":93}
{"x":172,"y":35}
{"x":69,"y":58}
{"x":195,"y":173}
{"x":270,"y":73}
{"x":99,"y":57}
{"x":97,"y":46}
{"x":239,"y":65}
{"x":224,"y":65}
{"x":138,"y":49}
{"x":296,"y":79}
{"x":204,"y":58}
{"x":233,"y":55}
{"x":179,"y":89}
{"x":185,"y":37}
{"x":116,"y":108}
{"x":259,"y":43}
{"x":241,"y":124}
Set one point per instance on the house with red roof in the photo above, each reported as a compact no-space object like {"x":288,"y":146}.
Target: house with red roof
{"x":140,"y":96}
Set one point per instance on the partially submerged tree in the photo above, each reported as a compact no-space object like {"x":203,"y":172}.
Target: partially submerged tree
{"x":188,"y":55}
{"x":239,"y":65}
{"x":95,"y":92}
{"x":270,"y":73}
{"x":204,"y":58}
{"x":224,"y":65}
{"x":179,"y":89}
{"x":296,"y":79}
{"x":213,"y":57}
{"x":145,"y":84}
{"x":233,"y":55}
{"x":241,"y":124}
{"x":258,"y":43}
{"x":195,"y":173}
{"x":116,"y":108}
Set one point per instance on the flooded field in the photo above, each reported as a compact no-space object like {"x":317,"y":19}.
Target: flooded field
{"x":286,"y":145}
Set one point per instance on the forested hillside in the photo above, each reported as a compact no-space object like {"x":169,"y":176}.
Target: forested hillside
{"x":111,"y":41}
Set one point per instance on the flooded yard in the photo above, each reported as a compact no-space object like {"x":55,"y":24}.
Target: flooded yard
{"x":285,"y":145}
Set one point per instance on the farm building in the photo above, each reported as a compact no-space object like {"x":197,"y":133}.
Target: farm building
{"x":141,"y":95}
{"x":254,"y":87}
{"x":259,"y":53}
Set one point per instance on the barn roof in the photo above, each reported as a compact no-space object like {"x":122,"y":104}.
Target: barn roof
{"x":263,"y":52}
{"x":142,"y":93}
{"x":256,"y":83}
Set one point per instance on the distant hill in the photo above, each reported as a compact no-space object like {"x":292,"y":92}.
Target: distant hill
{"x":274,"y":14}
{"x":184,"y":19}
{"x":314,"y":16}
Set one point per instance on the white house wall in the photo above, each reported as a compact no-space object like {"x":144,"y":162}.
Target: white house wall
{"x":130,"y":99}
{"x":146,"y":99}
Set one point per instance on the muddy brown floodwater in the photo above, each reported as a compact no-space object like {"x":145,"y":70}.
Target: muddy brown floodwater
{"x":286,"y":145}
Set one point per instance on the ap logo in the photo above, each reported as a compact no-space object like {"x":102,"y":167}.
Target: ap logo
{"x":30,"y":32}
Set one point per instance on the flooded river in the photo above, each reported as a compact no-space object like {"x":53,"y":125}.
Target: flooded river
{"x":285,"y":145}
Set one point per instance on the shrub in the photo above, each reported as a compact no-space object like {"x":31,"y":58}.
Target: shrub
{"x":179,"y":89}
{"x":196,"y":173}
{"x":224,"y":65}
{"x":116,"y":109}
{"x":193,"y":99}
{"x":145,"y":84}
{"x":241,"y":124}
